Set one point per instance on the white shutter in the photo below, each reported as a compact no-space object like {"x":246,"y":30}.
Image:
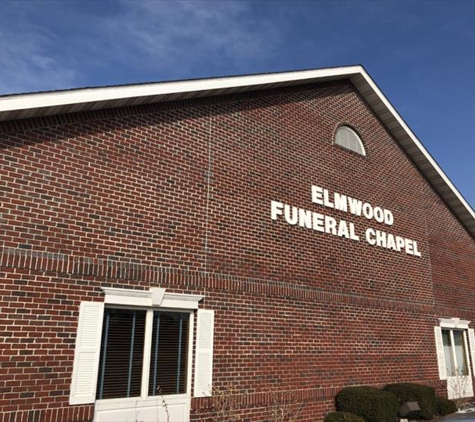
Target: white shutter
{"x":439,"y":345}
{"x":204,"y":353}
{"x":86,"y":355}
{"x":471,"y":342}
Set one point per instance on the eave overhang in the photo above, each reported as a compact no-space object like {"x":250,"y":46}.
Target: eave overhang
{"x":22,"y":106}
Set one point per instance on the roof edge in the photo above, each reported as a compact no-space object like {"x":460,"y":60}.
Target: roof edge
{"x":410,"y":142}
{"x":103,"y":95}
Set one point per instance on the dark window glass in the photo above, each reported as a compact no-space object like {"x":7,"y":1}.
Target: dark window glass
{"x":168,"y":363}
{"x":120,"y":366}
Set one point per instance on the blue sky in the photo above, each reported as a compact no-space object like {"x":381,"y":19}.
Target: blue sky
{"x":421,"y":54}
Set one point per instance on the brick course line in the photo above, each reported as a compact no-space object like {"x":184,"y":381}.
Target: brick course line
{"x":284,"y":396}
{"x":107,"y":270}
{"x":73,"y":414}
{"x":267,"y":397}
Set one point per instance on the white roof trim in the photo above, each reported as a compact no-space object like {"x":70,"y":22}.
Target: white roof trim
{"x":155,"y":297}
{"x":454,"y":323}
{"x":427,"y":162}
{"x":22,"y":106}
{"x":93,"y":95}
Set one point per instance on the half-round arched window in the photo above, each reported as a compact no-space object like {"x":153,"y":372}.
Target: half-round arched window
{"x":349,"y":139}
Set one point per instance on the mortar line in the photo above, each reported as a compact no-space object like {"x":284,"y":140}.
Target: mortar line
{"x":208,"y":188}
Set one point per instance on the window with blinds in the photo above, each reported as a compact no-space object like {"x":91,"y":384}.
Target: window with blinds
{"x":169,"y":354}
{"x":122,"y":353}
{"x":349,"y":139}
{"x":120,"y":365}
{"x":136,"y":347}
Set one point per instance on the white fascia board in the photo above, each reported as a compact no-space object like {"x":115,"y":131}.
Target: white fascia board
{"x":454,"y":323}
{"x":419,"y":147}
{"x":181,"y":301}
{"x":127,"y":297}
{"x":155,"y":297}
{"x":93,"y":95}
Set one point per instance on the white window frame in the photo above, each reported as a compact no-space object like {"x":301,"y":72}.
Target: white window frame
{"x":171,"y":407}
{"x":459,"y":385}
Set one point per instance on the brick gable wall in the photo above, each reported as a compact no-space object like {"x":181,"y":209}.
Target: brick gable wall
{"x":178,"y":195}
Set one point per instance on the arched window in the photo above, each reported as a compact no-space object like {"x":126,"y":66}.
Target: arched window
{"x":349,"y":139}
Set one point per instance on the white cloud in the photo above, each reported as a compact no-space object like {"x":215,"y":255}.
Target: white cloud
{"x":179,"y":35}
{"x":53,"y":45}
{"x":26,"y":63}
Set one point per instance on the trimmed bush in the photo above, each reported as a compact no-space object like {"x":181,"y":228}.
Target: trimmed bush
{"x":445,"y":406}
{"x":342,"y":417}
{"x":369,"y":403}
{"x":423,"y":395}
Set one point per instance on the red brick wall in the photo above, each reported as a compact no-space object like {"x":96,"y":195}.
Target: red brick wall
{"x":178,"y":195}
{"x":452,"y":261}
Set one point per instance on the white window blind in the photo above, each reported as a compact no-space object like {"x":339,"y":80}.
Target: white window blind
{"x":86,"y":357}
{"x":349,"y":139}
{"x":204,"y":353}
{"x":471,"y":342}
{"x":439,"y":345}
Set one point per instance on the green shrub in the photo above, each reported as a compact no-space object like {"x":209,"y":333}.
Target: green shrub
{"x":369,"y":403}
{"x":423,"y":395}
{"x":342,"y":417}
{"x":445,"y":406}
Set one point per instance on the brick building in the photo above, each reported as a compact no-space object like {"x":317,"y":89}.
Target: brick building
{"x":271,"y":237}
